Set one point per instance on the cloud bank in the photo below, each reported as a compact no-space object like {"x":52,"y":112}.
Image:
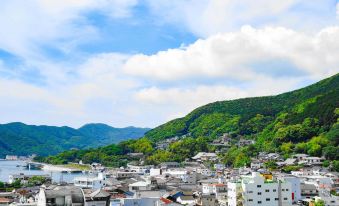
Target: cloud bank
{"x":242,"y":49}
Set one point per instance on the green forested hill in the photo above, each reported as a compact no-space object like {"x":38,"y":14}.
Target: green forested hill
{"x":301,"y":121}
{"x":107,"y":135}
{"x":249,"y":116}
{"x":21,"y":139}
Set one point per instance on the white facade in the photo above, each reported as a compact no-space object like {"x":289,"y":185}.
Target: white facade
{"x":140,"y":186}
{"x":139,"y":201}
{"x":89,"y":182}
{"x":295,"y":187}
{"x":219,"y":189}
{"x":139,"y":168}
{"x":254,"y":190}
{"x":155,"y":172}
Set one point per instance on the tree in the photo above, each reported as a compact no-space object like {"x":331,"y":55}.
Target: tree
{"x":331,"y":152}
{"x":271,"y":165}
{"x":319,"y":203}
{"x":16,"y":184}
{"x":36,"y":180}
{"x":142,"y":145}
{"x":286,"y":148}
{"x":241,"y":160}
{"x":326,"y":163}
{"x":161,"y":156}
{"x":335,"y":165}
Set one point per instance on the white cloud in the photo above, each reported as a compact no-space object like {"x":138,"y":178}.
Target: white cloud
{"x":208,"y":17}
{"x":240,"y":55}
{"x":28,"y":25}
{"x":146,"y":90}
{"x":181,"y":101}
{"x":94,"y":91}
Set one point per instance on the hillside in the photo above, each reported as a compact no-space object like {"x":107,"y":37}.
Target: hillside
{"x":301,"y":121}
{"x":250,"y":116}
{"x":21,"y":139}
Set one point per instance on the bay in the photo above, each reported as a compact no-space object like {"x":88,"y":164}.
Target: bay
{"x":16,"y":167}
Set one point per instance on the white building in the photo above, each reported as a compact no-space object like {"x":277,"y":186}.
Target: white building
{"x":139,"y":168}
{"x":139,"y":201}
{"x":255,"y":190}
{"x":219,"y":189}
{"x":140,"y":186}
{"x":295,"y":187}
{"x":312,"y":161}
{"x":90,"y":182}
{"x":204,"y":156}
{"x":61,"y":195}
{"x":256,"y":165}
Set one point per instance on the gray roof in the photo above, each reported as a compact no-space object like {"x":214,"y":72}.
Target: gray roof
{"x":99,"y":193}
{"x":186,"y":197}
{"x":63,"y":191}
{"x":308,"y":186}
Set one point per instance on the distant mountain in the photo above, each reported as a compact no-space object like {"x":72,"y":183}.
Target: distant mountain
{"x":21,"y":139}
{"x":107,"y":135}
{"x":301,"y":121}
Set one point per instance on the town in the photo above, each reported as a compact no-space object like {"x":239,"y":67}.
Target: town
{"x":199,"y":180}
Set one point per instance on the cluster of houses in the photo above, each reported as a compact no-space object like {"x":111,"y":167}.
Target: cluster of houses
{"x":192,"y":183}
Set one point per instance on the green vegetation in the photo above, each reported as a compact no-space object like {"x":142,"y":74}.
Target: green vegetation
{"x":82,"y":167}
{"x":36,"y":180}
{"x":319,"y":203}
{"x":9,"y":187}
{"x":290,"y":168}
{"x":301,"y":121}
{"x":22,"y":139}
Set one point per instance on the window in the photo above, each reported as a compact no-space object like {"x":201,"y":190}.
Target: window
{"x":259,"y":193}
{"x":285,"y":198}
{"x":258,"y":186}
{"x":268,"y":199}
{"x":250,"y":200}
{"x":276,"y":199}
{"x":274,"y":190}
{"x":267,"y":190}
{"x":283,"y":189}
{"x":286,"y":189}
{"x":259,"y":202}
{"x":250,"y":191}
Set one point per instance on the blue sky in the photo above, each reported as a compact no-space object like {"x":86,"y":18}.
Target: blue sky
{"x":144,"y":62}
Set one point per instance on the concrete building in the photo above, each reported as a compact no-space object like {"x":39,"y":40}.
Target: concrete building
{"x":61,"y":195}
{"x":255,"y":190}
{"x":89,"y":182}
{"x":295,"y":187}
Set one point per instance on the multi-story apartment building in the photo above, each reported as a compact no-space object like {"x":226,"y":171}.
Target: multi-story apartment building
{"x":255,"y":190}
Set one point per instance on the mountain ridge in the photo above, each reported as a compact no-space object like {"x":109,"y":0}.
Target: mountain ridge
{"x":247,"y":107}
{"x":25,"y":139}
{"x":301,"y":121}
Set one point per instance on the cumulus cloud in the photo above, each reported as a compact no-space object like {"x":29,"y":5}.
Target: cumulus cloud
{"x":90,"y":93}
{"x":206,"y":17}
{"x":229,"y":61}
{"x":243,"y":55}
{"x":26,"y":26}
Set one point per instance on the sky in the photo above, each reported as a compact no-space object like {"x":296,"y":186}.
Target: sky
{"x":145,"y":62}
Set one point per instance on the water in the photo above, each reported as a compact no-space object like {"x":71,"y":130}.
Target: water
{"x":10,"y":167}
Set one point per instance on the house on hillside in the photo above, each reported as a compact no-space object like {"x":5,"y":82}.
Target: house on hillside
{"x":205,"y":156}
